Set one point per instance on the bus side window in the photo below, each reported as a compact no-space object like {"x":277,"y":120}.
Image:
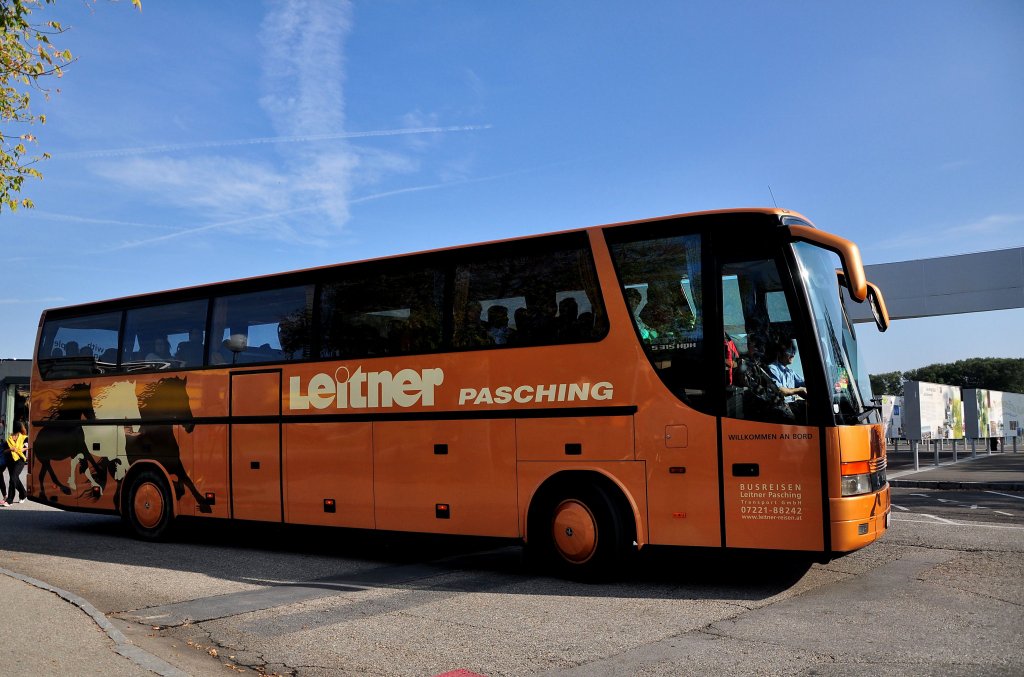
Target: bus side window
{"x":80,"y":346}
{"x":661,"y":284}
{"x":374,"y":310}
{"x":153,"y":336}
{"x":264,"y":326}
{"x":506,"y":296}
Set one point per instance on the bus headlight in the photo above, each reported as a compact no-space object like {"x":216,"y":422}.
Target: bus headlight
{"x":855,"y":485}
{"x":858,"y":479}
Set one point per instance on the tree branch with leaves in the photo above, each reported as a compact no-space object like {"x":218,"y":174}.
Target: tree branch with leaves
{"x":28,"y":58}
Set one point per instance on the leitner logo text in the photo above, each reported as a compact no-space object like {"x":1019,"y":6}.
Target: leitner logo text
{"x":358,"y":390}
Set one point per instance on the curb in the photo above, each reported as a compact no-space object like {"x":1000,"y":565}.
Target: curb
{"x":122,"y":645}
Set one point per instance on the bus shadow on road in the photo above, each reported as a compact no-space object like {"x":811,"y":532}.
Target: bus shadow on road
{"x":342,"y":560}
{"x":653,"y":565}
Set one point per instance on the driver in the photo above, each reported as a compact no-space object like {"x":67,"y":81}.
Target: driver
{"x":789,"y":382}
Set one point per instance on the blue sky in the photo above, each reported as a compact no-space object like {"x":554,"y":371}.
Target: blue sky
{"x":201,"y":141}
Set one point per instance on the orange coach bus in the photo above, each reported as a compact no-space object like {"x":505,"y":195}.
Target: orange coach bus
{"x":689,"y":380}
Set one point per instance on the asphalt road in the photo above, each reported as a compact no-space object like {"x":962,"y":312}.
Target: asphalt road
{"x":942,"y":593}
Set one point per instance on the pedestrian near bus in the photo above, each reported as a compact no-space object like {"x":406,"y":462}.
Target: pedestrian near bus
{"x":16,"y":456}
{"x":5,"y":458}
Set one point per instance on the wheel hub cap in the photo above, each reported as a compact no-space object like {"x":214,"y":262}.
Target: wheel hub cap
{"x":575,"y":531}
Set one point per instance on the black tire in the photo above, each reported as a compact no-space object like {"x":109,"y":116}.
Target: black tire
{"x":148,"y":510}
{"x":579,"y":532}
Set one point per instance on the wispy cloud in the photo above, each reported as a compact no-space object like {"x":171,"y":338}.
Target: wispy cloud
{"x":274,"y":218}
{"x":224,"y":187}
{"x":75,"y":218}
{"x":298,"y":184}
{"x":435,"y":186}
{"x":303,"y":80}
{"x":220,"y":225}
{"x":995,"y":231}
{"x":994,"y":223}
{"x":954,"y":165}
{"x":266,"y":140}
{"x":47,"y":300}
{"x":304,"y":65}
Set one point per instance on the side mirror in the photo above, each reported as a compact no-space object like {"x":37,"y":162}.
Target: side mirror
{"x":877,"y":304}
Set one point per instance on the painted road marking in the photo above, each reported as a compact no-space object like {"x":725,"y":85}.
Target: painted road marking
{"x":938,"y":519}
{"x":999,"y":493}
{"x":900,"y":507}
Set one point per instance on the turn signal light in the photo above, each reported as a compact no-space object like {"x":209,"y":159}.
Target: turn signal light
{"x":855,"y":468}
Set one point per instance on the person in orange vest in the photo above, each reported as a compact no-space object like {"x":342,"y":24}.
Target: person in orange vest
{"x":17,"y":455}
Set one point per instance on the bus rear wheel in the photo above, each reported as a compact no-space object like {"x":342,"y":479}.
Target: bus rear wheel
{"x":580,"y":533}
{"x":148,"y":510}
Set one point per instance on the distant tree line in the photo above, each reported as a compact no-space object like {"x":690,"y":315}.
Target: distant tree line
{"x":991,"y":373}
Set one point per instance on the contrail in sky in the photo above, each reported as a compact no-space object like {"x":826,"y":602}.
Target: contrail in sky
{"x":209,"y":226}
{"x":262,"y":217}
{"x":169,"y":148}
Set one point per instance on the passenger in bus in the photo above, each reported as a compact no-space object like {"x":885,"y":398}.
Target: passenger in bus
{"x":161,"y":351}
{"x":568,"y":314}
{"x":541,"y":311}
{"x":585,"y":325}
{"x":789,"y":382}
{"x":420,"y":333}
{"x":519,"y":334}
{"x":472,"y":331}
{"x":732,"y":359}
{"x":497,"y":325}
{"x":190,"y":352}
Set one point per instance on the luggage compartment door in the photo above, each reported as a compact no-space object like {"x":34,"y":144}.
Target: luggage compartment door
{"x":256,"y":490}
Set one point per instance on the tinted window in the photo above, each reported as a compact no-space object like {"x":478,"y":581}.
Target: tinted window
{"x":267,"y":326}
{"x":79,"y":346}
{"x":368,"y":312}
{"x":511,"y":297}
{"x":168,"y":336}
{"x":661,"y":282}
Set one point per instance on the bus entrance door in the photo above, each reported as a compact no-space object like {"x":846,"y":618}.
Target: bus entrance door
{"x":772,"y":486}
{"x":256,"y":446}
{"x":771,"y":459}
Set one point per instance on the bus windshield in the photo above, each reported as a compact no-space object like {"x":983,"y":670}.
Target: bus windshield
{"x":836,"y":337}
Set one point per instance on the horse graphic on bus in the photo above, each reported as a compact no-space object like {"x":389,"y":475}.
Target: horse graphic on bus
{"x":80,"y":427}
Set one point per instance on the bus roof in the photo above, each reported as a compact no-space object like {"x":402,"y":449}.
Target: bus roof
{"x":766,"y":211}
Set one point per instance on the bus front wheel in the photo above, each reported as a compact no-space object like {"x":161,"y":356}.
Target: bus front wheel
{"x":148,"y":511}
{"x":580,"y":533}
